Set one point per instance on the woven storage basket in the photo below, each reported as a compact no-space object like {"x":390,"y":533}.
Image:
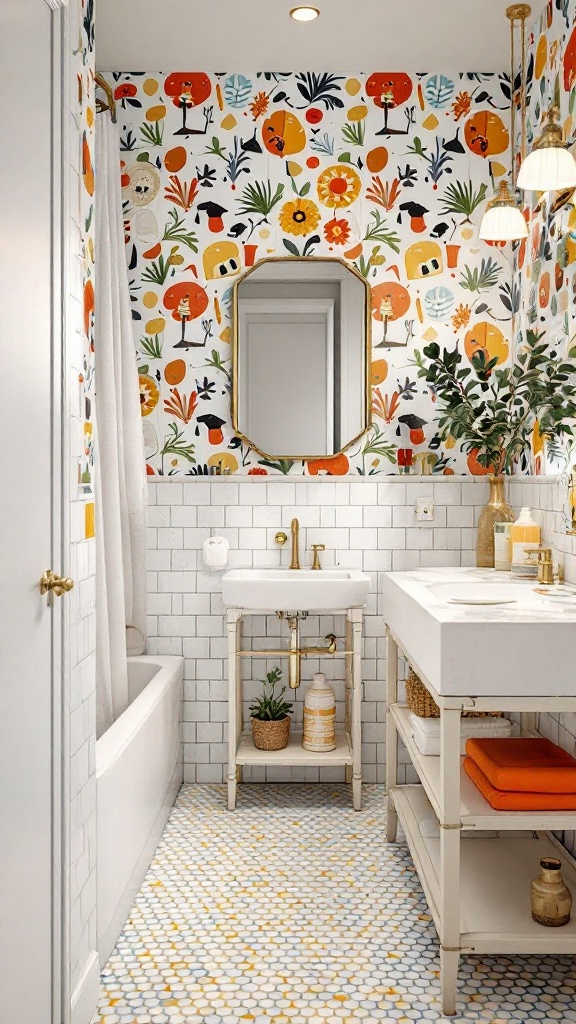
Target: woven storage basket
{"x":271,"y":735}
{"x":418,"y":699}
{"x":422,"y":704}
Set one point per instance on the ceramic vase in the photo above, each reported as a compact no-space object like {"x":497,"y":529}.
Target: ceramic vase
{"x":496,"y":511}
{"x":550,"y":897}
{"x":271,"y":735}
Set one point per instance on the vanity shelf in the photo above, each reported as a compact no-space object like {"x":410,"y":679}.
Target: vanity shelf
{"x":475,"y":811}
{"x":294,"y":753}
{"x":495,"y":877}
{"x":478,"y":889}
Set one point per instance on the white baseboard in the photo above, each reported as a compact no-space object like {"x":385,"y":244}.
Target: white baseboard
{"x":84,"y":1001}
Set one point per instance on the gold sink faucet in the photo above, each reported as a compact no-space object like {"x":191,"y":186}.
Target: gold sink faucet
{"x":545,"y":566}
{"x":295,"y":532}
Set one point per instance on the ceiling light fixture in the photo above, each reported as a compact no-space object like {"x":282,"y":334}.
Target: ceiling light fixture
{"x":503,"y":220}
{"x":304,"y":13}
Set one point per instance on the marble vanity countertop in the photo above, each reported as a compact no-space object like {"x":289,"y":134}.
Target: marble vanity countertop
{"x":523,"y":644}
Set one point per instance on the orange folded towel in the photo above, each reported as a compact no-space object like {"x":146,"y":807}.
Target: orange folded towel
{"x":524,"y":764}
{"x":507,"y":801}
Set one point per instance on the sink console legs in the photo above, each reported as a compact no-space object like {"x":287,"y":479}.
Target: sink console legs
{"x":348,"y":752}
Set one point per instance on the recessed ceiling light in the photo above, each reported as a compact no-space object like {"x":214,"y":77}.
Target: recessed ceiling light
{"x":304,"y":13}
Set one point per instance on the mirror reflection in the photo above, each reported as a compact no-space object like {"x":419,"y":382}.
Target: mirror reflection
{"x":300,"y":357}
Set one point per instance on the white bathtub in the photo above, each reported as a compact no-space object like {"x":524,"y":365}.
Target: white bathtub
{"x":138,"y":772}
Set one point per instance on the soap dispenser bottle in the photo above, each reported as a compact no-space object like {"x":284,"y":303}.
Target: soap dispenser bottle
{"x":525,"y":534}
{"x":319,"y":716}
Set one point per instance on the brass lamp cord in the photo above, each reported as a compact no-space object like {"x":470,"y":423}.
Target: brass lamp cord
{"x":518,"y":12}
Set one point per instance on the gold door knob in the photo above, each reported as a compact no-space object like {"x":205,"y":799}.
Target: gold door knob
{"x":50,"y":583}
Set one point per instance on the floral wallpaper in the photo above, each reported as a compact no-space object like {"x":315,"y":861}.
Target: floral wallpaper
{"x":545,"y":264}
{"x":389,"y":171}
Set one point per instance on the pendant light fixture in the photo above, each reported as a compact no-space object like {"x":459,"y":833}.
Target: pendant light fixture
{"x":549,"y":166}
{"x":503,"y":220}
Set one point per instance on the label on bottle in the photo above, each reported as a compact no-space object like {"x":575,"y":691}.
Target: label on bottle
{"x":522,"y":566}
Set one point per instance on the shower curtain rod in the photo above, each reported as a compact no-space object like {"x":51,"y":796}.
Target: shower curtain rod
{"x":107,"y":89}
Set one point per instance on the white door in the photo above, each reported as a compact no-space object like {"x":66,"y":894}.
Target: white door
{"x":30,"y":343}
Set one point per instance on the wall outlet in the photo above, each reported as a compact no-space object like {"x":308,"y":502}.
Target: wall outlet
{"x":424,"y":508}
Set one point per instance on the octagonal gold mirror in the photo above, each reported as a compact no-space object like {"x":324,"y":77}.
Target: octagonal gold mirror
{"x":301,"y":357}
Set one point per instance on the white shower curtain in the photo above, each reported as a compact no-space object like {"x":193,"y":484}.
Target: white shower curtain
{"x":120,"y":465}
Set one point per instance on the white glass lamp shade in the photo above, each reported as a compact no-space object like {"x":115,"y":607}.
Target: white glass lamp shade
{"x":503,"y":220}
{"x":503,"y":224}
{"x":547,"y":169}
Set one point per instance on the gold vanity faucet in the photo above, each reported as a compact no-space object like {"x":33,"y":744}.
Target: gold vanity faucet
{"x":545,"y":566}
{"x":295,"y":532}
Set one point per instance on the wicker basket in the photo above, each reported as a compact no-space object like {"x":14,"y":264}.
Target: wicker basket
{"x":271,"y":735}
{"x":419,"y":700}
{"x":422,"y":704}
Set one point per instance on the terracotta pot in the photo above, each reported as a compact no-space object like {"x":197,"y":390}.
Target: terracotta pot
{"x":496,"y":511}
{"x":550,"y":897}
{"x":271,"y":735}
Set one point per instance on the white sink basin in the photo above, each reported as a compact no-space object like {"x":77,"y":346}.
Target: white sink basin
{"x":477,"y":632}
{"x":272,"y":590}
{"x":478,"y":593}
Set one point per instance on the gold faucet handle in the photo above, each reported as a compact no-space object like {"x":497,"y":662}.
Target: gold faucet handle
{"x":281,"y":537}
{"x":317,"y":548}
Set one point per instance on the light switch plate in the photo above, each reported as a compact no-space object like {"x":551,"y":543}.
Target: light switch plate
{"x":424,"y":508}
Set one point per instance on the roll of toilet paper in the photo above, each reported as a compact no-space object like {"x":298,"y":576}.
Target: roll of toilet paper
{"x":215,"y":553}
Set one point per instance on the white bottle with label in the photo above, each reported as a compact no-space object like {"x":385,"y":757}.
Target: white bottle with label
{"x":525,"y":533}
{"x":319,"y":716}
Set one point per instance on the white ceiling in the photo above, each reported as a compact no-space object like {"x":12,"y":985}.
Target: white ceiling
{"x":219,"y":35}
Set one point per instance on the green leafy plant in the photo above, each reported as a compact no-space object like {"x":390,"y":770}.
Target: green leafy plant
{"x":281,"y":465}
{"x":354,"y":133}
{"x":481,"y":278}
{"x":258,"y":198}
{"x":151,"y":345}
{"x":380,"y":232}
{"x":174,"y":444}
{"x":174,"y":231}
{"x":492,"y":410}
{"x":463,"y":198}
{"x":217,"y":363}
{"x":153,"y":134}
{"x":158,"y":270}
{"x":379,"y":448}
{"x":269,"y":707}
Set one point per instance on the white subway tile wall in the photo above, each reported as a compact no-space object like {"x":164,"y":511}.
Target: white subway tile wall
{"x":364,"y":524}
{"x":545,"y":496}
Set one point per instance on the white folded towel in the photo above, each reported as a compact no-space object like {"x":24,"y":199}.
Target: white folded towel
{"x":426,"y":731}
{"x":431,"y":726}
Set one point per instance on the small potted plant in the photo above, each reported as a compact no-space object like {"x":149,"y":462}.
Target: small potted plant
{"x":270,"y":715}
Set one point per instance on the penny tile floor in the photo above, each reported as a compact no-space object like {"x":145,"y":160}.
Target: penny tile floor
{"x":294,"y":910}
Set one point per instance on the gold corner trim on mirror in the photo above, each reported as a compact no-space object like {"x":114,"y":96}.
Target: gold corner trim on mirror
{"x":367,"y":354}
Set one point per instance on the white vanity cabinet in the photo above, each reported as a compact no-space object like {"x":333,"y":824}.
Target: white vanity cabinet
{"x":241,"y":749}
{"x":477,"y":889}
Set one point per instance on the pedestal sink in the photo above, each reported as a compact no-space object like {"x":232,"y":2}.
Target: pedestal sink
{"x":271,"y":590}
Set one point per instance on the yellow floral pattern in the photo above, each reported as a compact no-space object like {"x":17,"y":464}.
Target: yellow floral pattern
{"x":338,"y":186}
{"x":299,"y":217}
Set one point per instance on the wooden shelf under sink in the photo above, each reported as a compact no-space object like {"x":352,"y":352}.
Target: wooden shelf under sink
{"x":294,"y":753}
